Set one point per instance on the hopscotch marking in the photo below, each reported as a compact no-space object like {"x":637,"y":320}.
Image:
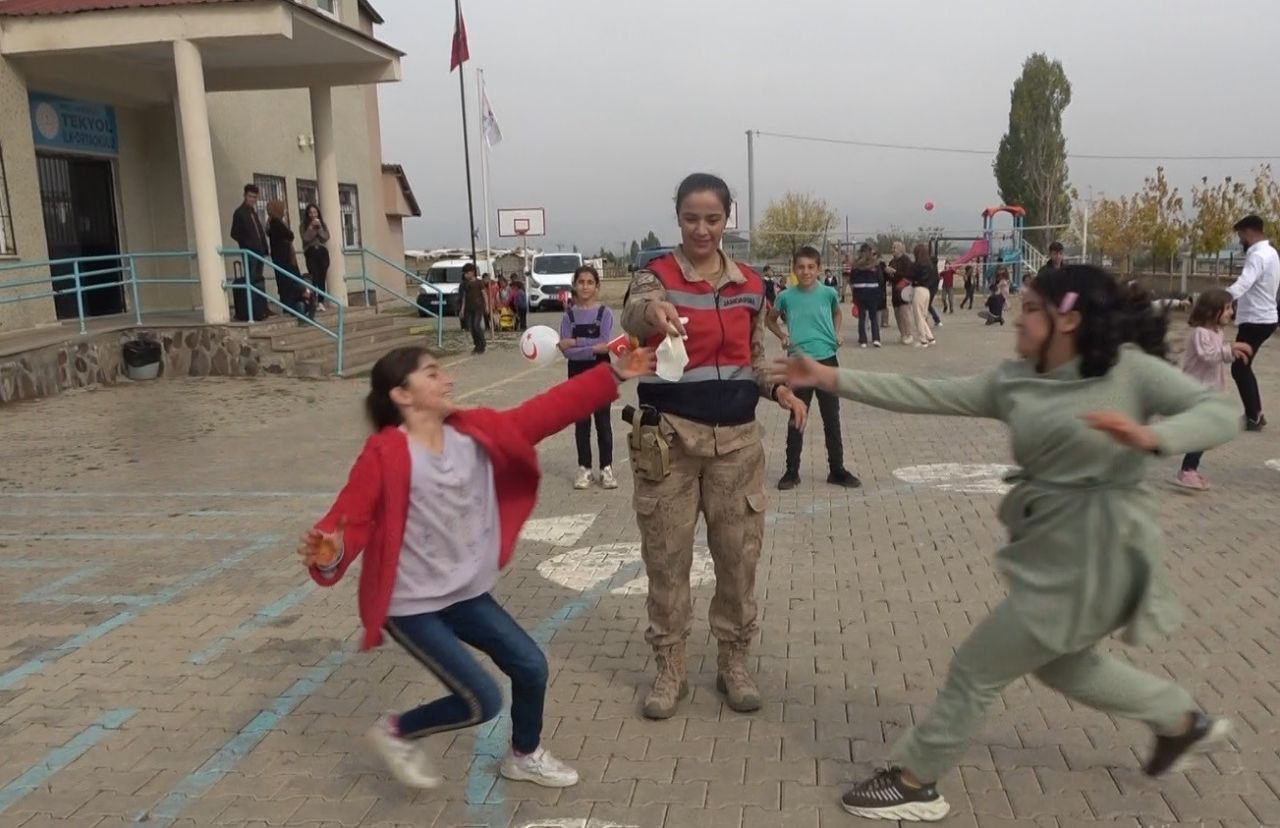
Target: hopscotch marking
{"x":582,"y":569}
{"x":565,"y":530}
{"x":964,"y":478}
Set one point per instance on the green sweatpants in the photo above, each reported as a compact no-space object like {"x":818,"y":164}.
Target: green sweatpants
{"x":1000,"y":650}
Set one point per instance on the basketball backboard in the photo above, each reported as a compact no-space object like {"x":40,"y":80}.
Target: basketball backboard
{"x":525,"y":221}
{"x":731,"y":221}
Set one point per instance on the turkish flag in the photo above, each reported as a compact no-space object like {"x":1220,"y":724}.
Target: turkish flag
{"x":461,"y":53}
{"x":620,"y":345}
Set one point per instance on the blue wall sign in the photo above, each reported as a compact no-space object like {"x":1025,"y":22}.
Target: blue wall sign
{"x":73,"y":126}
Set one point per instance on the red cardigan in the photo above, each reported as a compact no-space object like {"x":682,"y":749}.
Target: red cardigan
{"x":375,"y":501}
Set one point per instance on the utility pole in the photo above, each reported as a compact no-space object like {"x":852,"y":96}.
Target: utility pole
{"x":751,"y":192}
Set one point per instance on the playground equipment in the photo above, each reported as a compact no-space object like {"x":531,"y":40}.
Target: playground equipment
{"x":983,"y":250}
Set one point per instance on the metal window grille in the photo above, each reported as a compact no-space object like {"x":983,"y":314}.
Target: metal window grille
{"x":270,"y":188}
{"x":7,"y":245}
{"x":349,"y":201}
{"x":308,"y":193}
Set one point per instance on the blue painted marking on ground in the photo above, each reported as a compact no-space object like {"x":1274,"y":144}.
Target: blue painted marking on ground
{"x":128,"y":536}
{"x":197,"y":783}
{"x":60,"y":757}
{"x":155,"y":495}
{"x":263,"y":616}
{"x":196,"y":513}
{"x":114,"y":600}
{"x":37,"y":663}
{"x":38,"y":563}
{"x":484,"y":786}
{"x":51,"y":589}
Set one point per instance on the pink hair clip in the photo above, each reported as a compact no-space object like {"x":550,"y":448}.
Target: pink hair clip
{"x":1068,"y":302}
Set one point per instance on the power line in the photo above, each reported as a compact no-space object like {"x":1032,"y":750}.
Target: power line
{"x":990,"y":153}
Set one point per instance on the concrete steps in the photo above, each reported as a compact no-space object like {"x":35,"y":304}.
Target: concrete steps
{"x":367,"y":335}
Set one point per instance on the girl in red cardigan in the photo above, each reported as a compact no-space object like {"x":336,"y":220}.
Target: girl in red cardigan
{"x":435,"y":502}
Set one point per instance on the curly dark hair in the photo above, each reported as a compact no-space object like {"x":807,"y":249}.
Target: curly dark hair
{"x":1111,"y":314}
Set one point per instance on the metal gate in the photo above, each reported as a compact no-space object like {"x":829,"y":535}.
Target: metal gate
{"x":78,"y":200}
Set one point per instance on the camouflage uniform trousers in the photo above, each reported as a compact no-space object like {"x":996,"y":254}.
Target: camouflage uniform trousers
{"x":724,"y":480}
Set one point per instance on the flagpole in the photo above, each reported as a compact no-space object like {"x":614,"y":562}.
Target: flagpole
{"x":466,"y":145}
{"x":484,"y":161}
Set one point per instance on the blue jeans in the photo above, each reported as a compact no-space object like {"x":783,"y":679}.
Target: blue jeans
{"x":436,"y":640}
{"x":1192,"y":461}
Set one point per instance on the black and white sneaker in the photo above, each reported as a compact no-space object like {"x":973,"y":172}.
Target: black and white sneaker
{"x":1174,"y":752}
{"x":886,"y":796}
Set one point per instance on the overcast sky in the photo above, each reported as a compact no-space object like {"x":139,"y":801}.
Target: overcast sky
{"x":606,"y":104}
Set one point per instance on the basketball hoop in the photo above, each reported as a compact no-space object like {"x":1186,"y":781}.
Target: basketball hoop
{"x":520,"y":226}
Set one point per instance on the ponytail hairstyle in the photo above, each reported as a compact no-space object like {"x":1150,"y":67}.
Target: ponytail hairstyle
{"x":1209,"y":307}
{"x":391,"y":371}
{"x":1111,"y":314}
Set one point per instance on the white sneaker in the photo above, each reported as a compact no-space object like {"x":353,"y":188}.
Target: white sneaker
{"x":406,"y":763}
{"x":862,"y":345}
{"x":875,"y":344}
{"x":540,"y":768}
{"x":583,"y":480}
{"x":320,"y":308}
{"x":607,"y":480}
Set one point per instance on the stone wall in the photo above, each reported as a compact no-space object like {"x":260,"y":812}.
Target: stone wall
{"x":197,"y":351}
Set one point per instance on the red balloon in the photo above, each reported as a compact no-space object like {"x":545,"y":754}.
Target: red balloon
{"x":928,"y":205}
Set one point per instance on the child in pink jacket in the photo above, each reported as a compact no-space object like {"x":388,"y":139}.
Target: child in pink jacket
{"x":1206,"y":358}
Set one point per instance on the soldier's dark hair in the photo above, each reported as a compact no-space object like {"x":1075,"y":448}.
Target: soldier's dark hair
{"x":702,"y":183}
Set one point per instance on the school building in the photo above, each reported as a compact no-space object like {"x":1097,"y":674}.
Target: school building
{"x":128,"y":129}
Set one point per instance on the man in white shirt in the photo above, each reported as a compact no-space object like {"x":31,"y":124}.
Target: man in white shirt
{"x":1256,"y":315}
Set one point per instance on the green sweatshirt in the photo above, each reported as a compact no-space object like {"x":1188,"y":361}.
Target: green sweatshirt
{"x":1085,"y":550}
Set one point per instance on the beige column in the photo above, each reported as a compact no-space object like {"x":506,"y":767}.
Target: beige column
{"x":202,"y":186}
{"x":327,"y":187}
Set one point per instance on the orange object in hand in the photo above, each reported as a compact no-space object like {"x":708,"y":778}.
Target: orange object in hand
{"x":326,"y":552}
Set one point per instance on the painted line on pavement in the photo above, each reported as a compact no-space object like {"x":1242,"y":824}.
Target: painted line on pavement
{"x":526,"y":372}
{"x":162,"y":495}
{"x":51,"y":589}
{"x":260,"y":618}
{"x":128,"y":536}
{"x":197,"y":783}
{"x":113,"y":513}
{"x":484,"y":786}
{"x":37,"y":663}
{"x":58,"y":758}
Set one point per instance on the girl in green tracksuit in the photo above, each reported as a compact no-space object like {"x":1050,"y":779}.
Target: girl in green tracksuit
{"x":1084,"y":557}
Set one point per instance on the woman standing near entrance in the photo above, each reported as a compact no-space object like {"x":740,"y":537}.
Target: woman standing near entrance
{"x":698,"y":446}
{"x":315,"y":237}
{"x":292,"y":291}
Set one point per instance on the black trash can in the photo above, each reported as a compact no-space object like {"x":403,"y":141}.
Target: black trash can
{"x":142,"y":359}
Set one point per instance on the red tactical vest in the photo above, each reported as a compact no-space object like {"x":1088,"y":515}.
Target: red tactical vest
{"x":719,"y":383}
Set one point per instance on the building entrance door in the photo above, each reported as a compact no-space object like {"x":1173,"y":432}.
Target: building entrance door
{"x":78,"y":197}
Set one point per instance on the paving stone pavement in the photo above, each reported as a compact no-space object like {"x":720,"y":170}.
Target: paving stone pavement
{"x":164,"y":660}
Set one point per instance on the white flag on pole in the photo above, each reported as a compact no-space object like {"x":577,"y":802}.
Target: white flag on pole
{"x":492,"y":132}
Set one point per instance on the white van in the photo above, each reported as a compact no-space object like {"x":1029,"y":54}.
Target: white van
{"x":446,"y":275}
{"x":550,"y":275}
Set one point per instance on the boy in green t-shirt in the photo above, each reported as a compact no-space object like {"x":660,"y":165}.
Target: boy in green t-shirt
{"x":811,"y":313}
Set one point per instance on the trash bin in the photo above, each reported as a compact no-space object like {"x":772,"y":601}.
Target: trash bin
{"x":142,"y":359}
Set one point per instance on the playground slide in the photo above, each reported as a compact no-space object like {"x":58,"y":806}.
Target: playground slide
{"x":976,"y":251}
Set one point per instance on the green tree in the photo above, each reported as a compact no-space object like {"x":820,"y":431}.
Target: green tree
{"x":650,"y":241}
{"x":1114,"y":227}
{"x":1217,"y":209}
{"x":791,"y":222}
{"x":1031,"y":163}
{"x":1263,"y":198}
{"x":635,"y":249}
{"x":1157,"y":214}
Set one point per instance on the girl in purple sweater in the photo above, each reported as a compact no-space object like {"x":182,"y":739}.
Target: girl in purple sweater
{"x":585,"y":332}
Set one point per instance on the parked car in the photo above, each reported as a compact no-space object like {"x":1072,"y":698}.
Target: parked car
{"x":550,"y":275}
{"x":446,"y":277}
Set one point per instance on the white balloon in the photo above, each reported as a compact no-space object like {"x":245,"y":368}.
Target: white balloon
{"x":539,"y":345}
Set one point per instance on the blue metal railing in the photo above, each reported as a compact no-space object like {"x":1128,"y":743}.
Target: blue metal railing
{"x":83,"y":275}
{"x":366,"y":282}
{"x":246,"y":257}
